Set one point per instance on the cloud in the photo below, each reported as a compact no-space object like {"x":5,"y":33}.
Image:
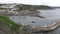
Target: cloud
{"x":34,"y":2}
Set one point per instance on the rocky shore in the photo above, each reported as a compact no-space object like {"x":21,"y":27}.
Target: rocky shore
{"x":22,"y":13}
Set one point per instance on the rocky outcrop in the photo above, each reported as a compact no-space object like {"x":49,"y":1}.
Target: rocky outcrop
{"x":28,"y":12}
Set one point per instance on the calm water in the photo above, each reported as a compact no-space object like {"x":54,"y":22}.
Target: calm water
{"x":28,"y":20}
{"x":50,"y":15}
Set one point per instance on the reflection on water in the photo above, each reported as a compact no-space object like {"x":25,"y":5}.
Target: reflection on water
{"x":51,"y":15}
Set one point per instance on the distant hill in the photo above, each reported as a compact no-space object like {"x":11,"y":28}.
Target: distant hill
{"x":2,"y":4}
{"x":32,"y":7}
{"x":56,"y":7}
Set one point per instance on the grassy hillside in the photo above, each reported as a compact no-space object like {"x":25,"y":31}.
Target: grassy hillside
{"x":5,"y":20}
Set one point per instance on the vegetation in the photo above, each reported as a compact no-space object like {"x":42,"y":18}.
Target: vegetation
{"x":2,"y":4}
{"x":14,"y":27}
{"x":32,"y":7}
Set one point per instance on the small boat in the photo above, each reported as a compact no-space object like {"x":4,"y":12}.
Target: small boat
{"x":33,"y":21}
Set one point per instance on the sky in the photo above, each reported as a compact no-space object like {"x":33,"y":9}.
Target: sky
{"x":34,"y":2}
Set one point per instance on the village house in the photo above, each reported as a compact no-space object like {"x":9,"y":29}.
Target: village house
{"x":9,"y":8}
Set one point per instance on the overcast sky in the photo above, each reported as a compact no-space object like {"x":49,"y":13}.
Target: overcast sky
{"x":34,"y":2}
